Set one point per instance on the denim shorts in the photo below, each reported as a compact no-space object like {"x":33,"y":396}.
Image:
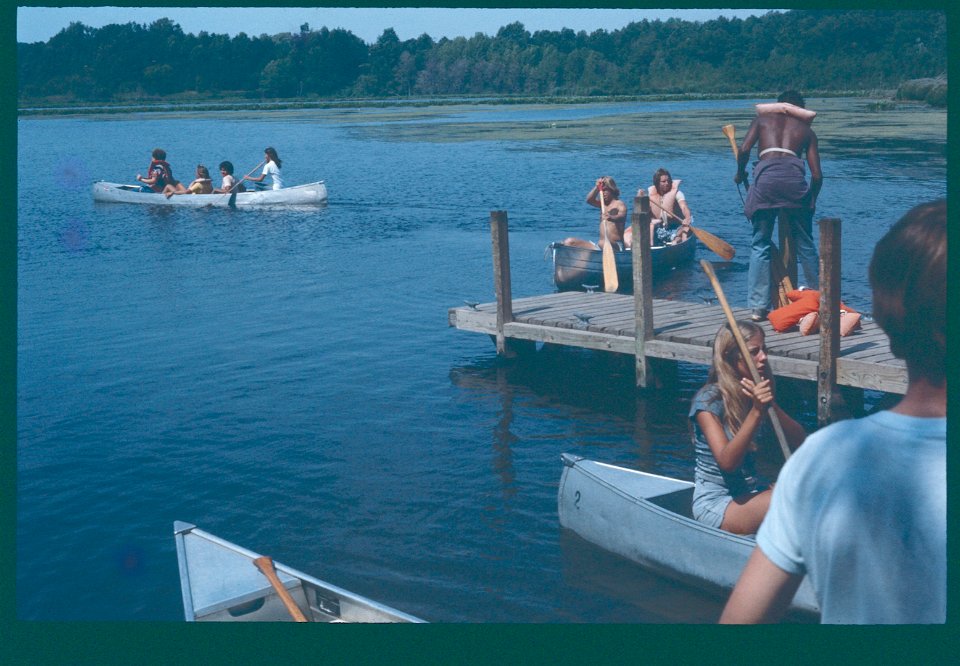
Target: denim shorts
{"x":710,"y":501}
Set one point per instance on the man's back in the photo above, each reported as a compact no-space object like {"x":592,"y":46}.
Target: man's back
{"x":783,"y":131}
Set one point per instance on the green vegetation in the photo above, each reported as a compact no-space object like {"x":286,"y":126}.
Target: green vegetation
{"x":822,"y":51}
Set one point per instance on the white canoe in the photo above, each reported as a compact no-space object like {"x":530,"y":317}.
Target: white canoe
{"x":311,"y":194}
{"x":220,"y":583}
{"x":647,"y":519}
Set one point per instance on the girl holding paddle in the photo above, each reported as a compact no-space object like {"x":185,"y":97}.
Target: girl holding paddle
{"x":271,"y":168}
{"x":728,"y":414}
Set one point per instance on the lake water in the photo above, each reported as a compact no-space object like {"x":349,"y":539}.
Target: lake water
{"x":286,"y":379}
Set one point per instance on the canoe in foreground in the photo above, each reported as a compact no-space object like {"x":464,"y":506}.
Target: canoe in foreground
{"x":220,"y":583}
{"x":574,"y":267}
{"x":311,"y":194}
{"x":647,"y":519}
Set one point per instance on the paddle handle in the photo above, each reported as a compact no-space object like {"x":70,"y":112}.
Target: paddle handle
{"x":731,"y":132}
{"x":265,"y":565}
{"x":744,"y":352}
{"x":237,"y":184}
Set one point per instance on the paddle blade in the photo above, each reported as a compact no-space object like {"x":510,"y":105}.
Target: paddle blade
{"x":610,"y":280}
{"x":731,"y":133}
{"x":721,"y":247}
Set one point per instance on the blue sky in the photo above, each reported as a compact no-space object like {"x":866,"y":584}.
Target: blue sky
{"x":41,"y":23}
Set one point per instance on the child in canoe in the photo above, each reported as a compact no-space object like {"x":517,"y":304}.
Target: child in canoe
{"x":200,"y":185}
{"x":728,"y":414}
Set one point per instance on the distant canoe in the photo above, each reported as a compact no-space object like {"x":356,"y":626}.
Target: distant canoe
{"x":221,"y":583}
{"x":648,"y":519}
{"x":575,"y":267}
{"x":311,"y":194}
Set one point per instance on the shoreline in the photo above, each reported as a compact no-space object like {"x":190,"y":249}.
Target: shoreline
{"x":206,"y":104}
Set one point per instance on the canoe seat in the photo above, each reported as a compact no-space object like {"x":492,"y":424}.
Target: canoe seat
{"x":679,"y":502}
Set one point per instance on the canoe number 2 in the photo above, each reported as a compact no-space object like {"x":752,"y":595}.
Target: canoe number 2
{"x":576,"y":499}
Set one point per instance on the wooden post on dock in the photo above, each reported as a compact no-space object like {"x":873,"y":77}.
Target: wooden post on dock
{"x":827,"y":392}
{"x":642,"y":285}
{"x":501,"y":277}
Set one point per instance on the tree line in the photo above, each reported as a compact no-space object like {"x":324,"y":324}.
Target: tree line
{"x":830,"y":50}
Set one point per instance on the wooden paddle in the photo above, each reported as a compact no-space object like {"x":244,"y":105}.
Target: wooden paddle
{"x":744,"y":352}
{"x":731,"y":133}
{"x":265,"y":564}
{"x":233,"y":194}
{"x":610,"y":280}
{"x":718,"y":245}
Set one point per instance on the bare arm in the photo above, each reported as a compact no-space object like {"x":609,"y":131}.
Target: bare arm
{"x":762,"y":594}
{"x":593,"y":195}
{"x":687,"y":216}
{"x":729,"y":453}
{"x":794,"y":431}
{"x":743,"y":154}
{"x":813,"y":161}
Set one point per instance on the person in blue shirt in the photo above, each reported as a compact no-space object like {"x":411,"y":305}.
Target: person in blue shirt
{"x":861,"y":508}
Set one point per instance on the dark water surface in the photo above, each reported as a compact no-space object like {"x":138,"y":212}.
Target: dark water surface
{"x":286,"y":378}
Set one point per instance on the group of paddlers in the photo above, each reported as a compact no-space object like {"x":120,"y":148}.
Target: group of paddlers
{"x":160,"y":178}
{"x":668,"y":206}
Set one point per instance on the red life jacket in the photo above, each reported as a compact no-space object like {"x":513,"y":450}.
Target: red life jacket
{"x":163,"y":173}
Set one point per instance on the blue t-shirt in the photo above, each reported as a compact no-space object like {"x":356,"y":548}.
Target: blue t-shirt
{"x":861,"y":508}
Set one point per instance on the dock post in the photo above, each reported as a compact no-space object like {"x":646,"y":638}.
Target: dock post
{"x":501,"y":277}
{"x":642,"y":286}
{"x":827,"y":394}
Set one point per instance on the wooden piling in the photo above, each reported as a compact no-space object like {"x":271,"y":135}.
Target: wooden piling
{"x":642,"y":286}
{"x":501,"y":277}
{"x":829,"y":319}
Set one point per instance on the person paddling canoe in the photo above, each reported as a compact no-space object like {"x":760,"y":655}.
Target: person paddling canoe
{"x":728,"y":415}
{"x":271,"y":168}
{"x":612,"y":220}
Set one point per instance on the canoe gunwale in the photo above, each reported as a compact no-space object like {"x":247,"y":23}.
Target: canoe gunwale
{"x":305,"y":194}
{"x":574,"y":267}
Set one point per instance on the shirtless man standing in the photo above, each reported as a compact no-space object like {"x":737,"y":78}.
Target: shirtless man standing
{"x":779,"y":190}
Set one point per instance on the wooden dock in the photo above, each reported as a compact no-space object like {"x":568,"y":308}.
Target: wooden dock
{"x":683,"y":331}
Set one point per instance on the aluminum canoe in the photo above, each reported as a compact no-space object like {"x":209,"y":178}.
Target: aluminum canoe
{"x":220,"y":583}
{"x":647,"y":518}
{"x":311,"y":194}
{"x":576,"y":267}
